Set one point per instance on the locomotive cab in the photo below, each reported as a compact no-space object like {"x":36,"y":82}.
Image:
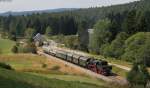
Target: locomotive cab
{"x":103,"y":69}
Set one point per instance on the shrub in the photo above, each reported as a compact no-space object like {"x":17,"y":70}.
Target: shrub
{"x":5,"y":66}
{"x":138,"y":75}
{"x":55,"y":67}
{"x":14,"y":49}
{"x":12,"y":37}
{"x":71,"y":41}
{"x":29,"y":48}
{"x":0,"y":51}
{"x":44,"y":65}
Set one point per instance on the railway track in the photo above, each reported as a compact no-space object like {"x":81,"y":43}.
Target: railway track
{"x":85,"y":54}
{"x":112,"y":79}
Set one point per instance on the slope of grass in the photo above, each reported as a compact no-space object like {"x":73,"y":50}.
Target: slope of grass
{"x":119,"y":71}
{"x":73,"y":78}
{"x":34,"y":63}
{"x":6,"y":45}
{"x":11,"y":79}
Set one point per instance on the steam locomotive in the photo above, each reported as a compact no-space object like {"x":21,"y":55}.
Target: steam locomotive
{"x":97,"y":66}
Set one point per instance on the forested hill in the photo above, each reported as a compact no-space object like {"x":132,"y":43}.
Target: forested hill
{"x":70,"y":22}
{"x":130,"y":18}
{"x":37,"y":12}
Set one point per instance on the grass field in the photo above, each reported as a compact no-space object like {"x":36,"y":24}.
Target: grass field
{"x":119,"y":71}
{"x":6,"y":45}
{"x":12,"y":79}
{"x":35,"y":75}
{"x":34,"y":63}
{"x":81,"y":79}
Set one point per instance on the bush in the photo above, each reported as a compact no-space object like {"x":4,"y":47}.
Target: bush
{"x":55,"y":67}
{"x":12,"y":37}
{"x":71,"y":42}
{"x":1,"y":51}
{"x":14,"y":49}
{"x":138,"y":75}
{"x":5,"y":66}
{"x":44,"y":65}
{"x":29,"y":48}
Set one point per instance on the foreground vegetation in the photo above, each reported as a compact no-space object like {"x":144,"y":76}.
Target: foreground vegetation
{"x":13,"y":79}
{"x":41,"y":68}
{"x":6,"y":46}
{"x":121,"y":32}
{"x":38,"y":64}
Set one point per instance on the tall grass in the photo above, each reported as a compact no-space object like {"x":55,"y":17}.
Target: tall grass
{"x":11,"y":79}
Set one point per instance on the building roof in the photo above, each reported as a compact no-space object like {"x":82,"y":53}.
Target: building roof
{"x":38,"y":37}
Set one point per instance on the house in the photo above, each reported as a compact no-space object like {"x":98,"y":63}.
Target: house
{"x":38,"y":39}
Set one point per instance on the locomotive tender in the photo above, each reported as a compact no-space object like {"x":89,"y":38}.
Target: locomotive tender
{"x":97,"y":66}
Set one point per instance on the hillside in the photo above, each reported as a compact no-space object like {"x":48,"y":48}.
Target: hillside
{"x":6,"y":45}
{"x":12,"y":79}
{"x":37,"y":12}
{"x":38,"y":64}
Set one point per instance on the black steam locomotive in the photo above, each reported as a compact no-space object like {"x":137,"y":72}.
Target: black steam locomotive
{"x":98,"y":66}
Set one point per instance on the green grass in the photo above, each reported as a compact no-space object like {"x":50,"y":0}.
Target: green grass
{"x":32,"y":64}
{"x":6,"y":45}
{"x":74,"y":78}
{"x":113,"y":60}
{"x":119,"y":71}
{"x":12,"y":79}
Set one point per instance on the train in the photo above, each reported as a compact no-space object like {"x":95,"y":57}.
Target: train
{"x":98,"y":66}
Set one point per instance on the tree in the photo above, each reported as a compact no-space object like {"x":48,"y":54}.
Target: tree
{"x":48,"y":31}
{"x":83,"y":35}
{"x":143,"y":54}
{"x":117,"y":47}
{"x":137,"y":47}
{"x":129,"y":25}
{"x":30,"y":32}
{"x":71,"y":41}
{"x":138,"y":75}
{"x":100,"y":36}
{"x":143,"y":21}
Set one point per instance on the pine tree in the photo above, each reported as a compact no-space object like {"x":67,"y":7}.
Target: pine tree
{"x":138,"y":75}
{"x":48,"y":31}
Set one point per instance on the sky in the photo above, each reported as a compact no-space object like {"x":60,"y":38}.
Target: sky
{"x":29,"y":5}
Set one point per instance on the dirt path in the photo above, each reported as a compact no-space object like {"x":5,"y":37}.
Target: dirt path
{"x":121,"y":66}
{"x":115,"y":79}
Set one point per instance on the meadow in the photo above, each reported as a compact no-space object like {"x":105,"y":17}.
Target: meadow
{"x":41,"y":66}
{"x":34,"y":71}
{"x":12,"y":79}
{"x":5,"y":46}
{"x":38,"y":64}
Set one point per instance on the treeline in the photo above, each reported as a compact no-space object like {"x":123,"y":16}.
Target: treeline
{"x":17,"y":25}
{"x":115,"y":28}
{"x":125,"y":37}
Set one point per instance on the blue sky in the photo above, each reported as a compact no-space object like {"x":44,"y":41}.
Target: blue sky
{"x":28,"y":5}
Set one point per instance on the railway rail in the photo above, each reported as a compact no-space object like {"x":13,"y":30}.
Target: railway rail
{"x":113,"y":79}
